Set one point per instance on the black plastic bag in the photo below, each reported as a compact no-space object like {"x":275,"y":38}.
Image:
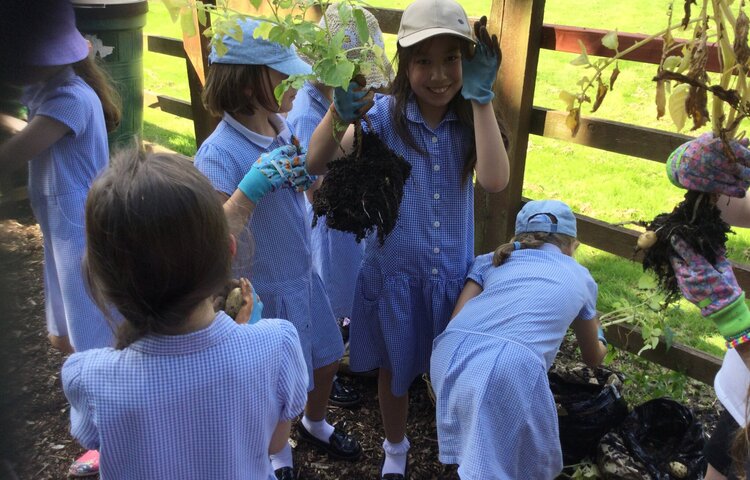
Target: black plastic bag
{"x":589,"y":404}
{"x":659,"y":440}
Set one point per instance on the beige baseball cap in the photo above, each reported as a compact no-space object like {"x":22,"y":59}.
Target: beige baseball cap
{"x":423,"y":19}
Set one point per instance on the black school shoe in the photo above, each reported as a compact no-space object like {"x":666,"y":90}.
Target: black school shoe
{"x":340,"y":445}
{"x":343,"y":395}
{"x":284,"y":473}
{"x":394,"y":476}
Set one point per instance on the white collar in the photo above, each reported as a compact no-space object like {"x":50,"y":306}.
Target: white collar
{"x":284,"y":136}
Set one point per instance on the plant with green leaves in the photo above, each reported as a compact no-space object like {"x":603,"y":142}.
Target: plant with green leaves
{"x":713,"y":164}
{"x":288,"y":23}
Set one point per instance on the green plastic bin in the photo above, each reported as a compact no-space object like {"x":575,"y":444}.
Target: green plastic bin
{"x":115,"y":29}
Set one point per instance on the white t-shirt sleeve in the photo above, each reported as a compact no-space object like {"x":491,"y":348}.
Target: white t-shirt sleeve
{"x":732,"y":384}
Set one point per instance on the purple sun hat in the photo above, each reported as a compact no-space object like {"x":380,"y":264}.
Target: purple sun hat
{"x":59,"y":42}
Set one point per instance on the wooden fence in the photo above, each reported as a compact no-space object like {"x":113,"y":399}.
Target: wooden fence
{"x":522,"y":20}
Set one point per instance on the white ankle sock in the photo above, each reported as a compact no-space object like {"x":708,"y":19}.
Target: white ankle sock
{"x":321,"y":430}
{"x":282,"y":458}
{"x":395,"y":456}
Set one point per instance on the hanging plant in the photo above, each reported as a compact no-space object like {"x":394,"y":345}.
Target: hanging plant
{"x":685,"y":90}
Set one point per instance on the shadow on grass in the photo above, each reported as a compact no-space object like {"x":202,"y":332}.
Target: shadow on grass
{"x":181,"y":143}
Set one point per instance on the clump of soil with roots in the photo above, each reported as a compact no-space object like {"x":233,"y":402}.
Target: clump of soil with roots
{"x":362,"y":192}
{"x":696,"y":220}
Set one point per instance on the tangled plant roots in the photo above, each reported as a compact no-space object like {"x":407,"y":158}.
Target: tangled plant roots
{"x":698,"y":221}
{"x":361,"y":194}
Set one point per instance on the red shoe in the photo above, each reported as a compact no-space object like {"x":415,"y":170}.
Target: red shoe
{"x":86,"y":466}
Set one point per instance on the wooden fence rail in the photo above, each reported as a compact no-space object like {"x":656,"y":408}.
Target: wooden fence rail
{"x":645,"y":143}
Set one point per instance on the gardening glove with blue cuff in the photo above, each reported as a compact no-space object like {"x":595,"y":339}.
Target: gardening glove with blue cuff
{"x":707,"y":164}
{"x":348,"y":104}
{"x":714,"y":289}
{"x":479,"y":72}
{"x":282,"y":166}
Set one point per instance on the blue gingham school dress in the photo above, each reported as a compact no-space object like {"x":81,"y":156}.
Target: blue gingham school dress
{"x":280,"y":266}
{"x":495,"y":415}
{"x":195,"y":406}
{"x":407,"y":288}
{"x":59,"y":181}
{"x":336,"y":255}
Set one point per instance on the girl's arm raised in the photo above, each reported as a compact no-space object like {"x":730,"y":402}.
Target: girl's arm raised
{"x":592,"y":348}
{"x":40,"y":134}
{"x":493,"y":167}
{"x":735,"y":211}
{"x":334,"y":136}
{"x":327,"y":144}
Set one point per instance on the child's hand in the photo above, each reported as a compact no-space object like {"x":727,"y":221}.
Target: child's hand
{"x":271,"y":171}
{"x":252,"y":307}
{"x":479,"y":72}
{"x":352,"y":103}
{"x":703,"y":165}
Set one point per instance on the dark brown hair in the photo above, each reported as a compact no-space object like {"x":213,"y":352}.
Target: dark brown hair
{"x":401,"y":91}
{"x":157,"y":242}
{"x":100,"y":81}
{"x":531,"y":240}
{"x":225,"y":89}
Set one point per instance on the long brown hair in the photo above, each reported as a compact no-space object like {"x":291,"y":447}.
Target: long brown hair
{"x":226,"y":85}
{"x":401,"y":91}
{"x":157,"y":242}
{"x":101,"y":82}
{"x":531,"y":240}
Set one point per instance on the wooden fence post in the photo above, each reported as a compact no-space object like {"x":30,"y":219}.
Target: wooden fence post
{"x":514,"y":90}
{"x":203,"y":122}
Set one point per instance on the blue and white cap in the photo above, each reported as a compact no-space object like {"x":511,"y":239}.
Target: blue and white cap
{"x":550,"y":216}
{"x":259,"y":51}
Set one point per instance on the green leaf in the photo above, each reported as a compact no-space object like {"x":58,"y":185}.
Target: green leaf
{"x":668,"y":337}
{"x":174,"y":7}
{"x":336,"y":72}
{"x":672,"y":62}
{"x":221,"y":49}
{"x":186,"y":23}
{"x":345,"y":13}
{"x":361,"y":22}
{"x":583,"y":58}
{"x":256,"y":3}
{"x":646,"y":282}
{"x":568,"y":98}
{"x":263,"y":30}
{"x":610,"y":40}
{"x":654,"y":304}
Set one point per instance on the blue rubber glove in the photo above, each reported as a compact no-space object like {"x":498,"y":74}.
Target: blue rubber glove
{"x":480,"y":71}
{"x":257,"y":308}
{"x":348,"y":103}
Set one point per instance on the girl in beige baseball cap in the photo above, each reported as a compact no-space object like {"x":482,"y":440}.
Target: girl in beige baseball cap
{"x":439,"y":117}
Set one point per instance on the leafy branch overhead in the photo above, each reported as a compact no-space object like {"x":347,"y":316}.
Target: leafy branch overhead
{"x":683,"y":86}
{"x":287,"y":22}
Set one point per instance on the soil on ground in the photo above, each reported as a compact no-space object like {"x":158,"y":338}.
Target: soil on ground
{"x":35,"y":442}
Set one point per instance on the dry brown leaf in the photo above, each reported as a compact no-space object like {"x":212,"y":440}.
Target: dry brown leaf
{"x":613,"y":77}
{"x":573,"y":120}
{"x":661,"y":99}
{"x":601,"y":92}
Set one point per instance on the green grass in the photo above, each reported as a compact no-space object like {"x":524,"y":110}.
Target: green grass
{"x":611,"y":187}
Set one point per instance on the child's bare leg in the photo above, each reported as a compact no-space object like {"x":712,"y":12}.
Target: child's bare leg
{"x":394,"y":412}
{"x":317,"y":399}
{"x":61,"y":343}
